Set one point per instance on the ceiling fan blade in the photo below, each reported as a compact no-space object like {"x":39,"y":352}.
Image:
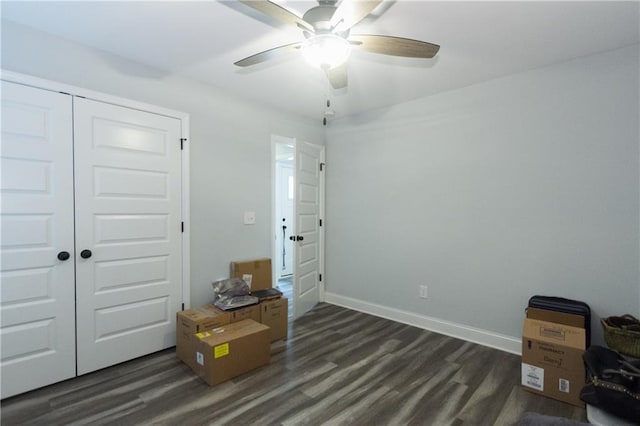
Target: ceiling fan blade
{"x":277,"y":12}
{"x":338,"y":76}
{"x":276,"y":52}
{"x":394,"y":46}
{"x":350,"y":12}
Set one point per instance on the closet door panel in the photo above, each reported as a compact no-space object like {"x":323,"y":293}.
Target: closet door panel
{"x":128,"y":214}
{"x":37,"y":307}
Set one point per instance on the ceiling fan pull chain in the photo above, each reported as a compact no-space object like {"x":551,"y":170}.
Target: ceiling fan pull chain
{"x":327,"y":92}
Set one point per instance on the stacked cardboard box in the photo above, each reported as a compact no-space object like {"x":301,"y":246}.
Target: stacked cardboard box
{"x":226,"y":352}
{"x":273,"y":313}
{"x":256,"y":273}
{"x":192,"y":321}
{"x":219,"y":345}
{"x":247,"y":312}
{"x":552,"y":348}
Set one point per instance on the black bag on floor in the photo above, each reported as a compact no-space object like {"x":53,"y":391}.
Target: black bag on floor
{"x":568,"y":306}
{"x":613,"y":383}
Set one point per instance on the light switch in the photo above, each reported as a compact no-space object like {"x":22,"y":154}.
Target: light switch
{"x":249,"y":218}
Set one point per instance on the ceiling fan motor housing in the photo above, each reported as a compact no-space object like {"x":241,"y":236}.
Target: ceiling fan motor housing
{"x":320,"y":17}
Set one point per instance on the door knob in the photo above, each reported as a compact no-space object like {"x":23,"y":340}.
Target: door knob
{"x":299,"y":238}
{"x":63,"y":255}
{"x":85,"y":254}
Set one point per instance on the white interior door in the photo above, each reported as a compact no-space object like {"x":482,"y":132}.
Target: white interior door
{"x":308,"y":198}
{"x":128,"y":189}
{"x":36,"y":288}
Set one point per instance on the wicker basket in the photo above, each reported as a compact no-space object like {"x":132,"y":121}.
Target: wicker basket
{"x":622,"y":334}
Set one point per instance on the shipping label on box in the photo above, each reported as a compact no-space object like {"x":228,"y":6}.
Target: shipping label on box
{"x":257,"y":273}
{"x":533,"y":377}
{"x":552,"y":360}
{"x":192,"y":321}
{"x":274,"y":313}
{"x":231,"y":350}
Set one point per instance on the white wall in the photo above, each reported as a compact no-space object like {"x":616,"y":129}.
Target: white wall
{"x":230,"y":143}
{"x":490,"y":194}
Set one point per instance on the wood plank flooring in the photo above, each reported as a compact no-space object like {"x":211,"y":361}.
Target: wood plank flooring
{"x":337,"y":367}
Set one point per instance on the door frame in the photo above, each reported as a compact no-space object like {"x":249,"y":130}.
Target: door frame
{"x":276,"y":139}
{"x":282,"y":169}
{"x":54,"y":86}
{"x":323,"y":164}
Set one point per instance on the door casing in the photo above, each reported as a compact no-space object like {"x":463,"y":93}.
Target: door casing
{"x":283,"y":261}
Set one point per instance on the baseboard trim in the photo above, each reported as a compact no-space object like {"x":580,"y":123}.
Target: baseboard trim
{"x":460,"y":331}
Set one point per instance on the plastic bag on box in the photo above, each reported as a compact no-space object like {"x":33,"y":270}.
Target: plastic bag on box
{"x":227,"y":289}
{"x":236,"y":302}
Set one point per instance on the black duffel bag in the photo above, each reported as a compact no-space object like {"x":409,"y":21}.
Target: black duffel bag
{"x":613,"y":383}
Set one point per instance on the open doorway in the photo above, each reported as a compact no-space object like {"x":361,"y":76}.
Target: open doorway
{"x":284,"y":219}
{"x":297,"y":222}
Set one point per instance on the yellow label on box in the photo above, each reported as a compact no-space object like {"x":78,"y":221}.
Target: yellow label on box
{"x":203,"y":335}
{"x":221,"y":350}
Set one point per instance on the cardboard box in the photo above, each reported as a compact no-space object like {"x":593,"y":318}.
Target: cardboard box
{"x":248,"y":312}
{"x":192,"y":321}
{"x":257,"y":272}
{"x":231,"y":350}
{"x":274,"y":313}
{"x":557,"y":317}
{"x":552,"y":360}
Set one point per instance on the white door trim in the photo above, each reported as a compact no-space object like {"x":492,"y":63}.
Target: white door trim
{"x":54,"y":86}
{"x":186,"y":213}
{"x":321,"y":285}
{"x":283,"y":260}
{"x":276,"y":139}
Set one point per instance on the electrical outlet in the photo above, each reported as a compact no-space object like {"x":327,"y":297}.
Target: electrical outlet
{"x":423,"y":292}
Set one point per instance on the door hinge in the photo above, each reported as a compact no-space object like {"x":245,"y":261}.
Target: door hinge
{"x":320,"y":222}
{"x":182,"y":141}
{"x":320,"y":277}
{"x":182,"y":226}
{"x":322,"y":166}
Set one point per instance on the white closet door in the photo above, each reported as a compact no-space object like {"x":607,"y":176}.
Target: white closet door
{"x":36,"y":288}
{"x":128,"y":215}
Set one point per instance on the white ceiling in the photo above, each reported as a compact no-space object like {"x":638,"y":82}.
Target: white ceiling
{"x":201,"y":40}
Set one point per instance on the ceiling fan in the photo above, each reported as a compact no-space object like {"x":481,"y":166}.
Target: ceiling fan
{"x":328,"y":39}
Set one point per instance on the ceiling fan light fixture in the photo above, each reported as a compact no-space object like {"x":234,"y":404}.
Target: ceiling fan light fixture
{"x":326,"y":50}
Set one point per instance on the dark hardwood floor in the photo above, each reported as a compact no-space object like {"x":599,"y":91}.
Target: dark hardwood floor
{"x":337,"y":367}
